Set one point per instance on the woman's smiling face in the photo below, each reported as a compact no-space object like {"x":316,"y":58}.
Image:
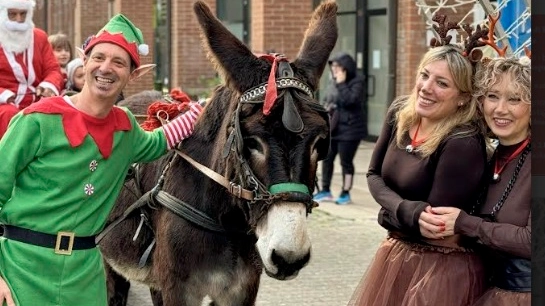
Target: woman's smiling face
{"x":438,"y":95}
{"x":507,"y":115}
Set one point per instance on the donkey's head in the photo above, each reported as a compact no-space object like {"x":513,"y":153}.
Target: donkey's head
{"x":274,"y":132}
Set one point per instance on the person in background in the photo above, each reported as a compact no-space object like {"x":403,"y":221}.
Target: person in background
{"x":62,"y":49}
{"x":503,"y":222}
{"x":431,"y":152}
{"x":28,"y":68}
{"x":64,"y":162}
{"x":344,"y":101}
{"x":75,"y":76}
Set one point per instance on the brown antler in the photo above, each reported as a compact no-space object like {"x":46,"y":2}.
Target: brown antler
{"x":490,"y":39}
{"x":528,"y":52}
{"x":473,"y":37}
{"x":474,"y":41}
{"x":442,"y":29}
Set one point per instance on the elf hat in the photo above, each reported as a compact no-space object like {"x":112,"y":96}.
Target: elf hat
{"x":122,"y":32}
{"x":18,"y":4}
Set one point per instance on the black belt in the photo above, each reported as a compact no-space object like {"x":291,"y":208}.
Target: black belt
{"x":514,"y":274}
{"x":63,"y":242}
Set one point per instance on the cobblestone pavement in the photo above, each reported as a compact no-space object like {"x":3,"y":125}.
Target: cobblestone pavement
{"x":344,"y":240}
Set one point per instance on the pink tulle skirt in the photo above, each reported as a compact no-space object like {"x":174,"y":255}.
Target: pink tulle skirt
{"x":412,"y":274}
{"x":499,"y":297}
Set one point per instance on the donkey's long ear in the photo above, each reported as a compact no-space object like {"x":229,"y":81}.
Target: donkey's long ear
{"x":319,"y":41}
{"x":230,"y":57}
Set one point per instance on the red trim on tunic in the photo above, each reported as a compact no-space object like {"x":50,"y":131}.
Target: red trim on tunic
{"x":77,"y":124}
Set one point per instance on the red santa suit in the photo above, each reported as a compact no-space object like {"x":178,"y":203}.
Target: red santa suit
{"x":22,"y":73}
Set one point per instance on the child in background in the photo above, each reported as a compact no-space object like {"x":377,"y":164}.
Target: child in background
{"x":75,"y":76}
{"x":62,"y":49}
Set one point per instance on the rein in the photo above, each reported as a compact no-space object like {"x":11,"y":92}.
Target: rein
{"x":250,"y":189}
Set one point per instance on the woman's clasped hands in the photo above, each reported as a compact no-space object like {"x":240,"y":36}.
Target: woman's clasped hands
{"x":438,"y":222}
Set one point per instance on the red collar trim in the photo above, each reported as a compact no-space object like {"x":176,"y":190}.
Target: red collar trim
{"x":77,"y":124}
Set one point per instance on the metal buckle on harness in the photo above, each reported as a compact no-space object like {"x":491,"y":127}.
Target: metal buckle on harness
{"x":60,"y":236}
{"x":235,"y":189}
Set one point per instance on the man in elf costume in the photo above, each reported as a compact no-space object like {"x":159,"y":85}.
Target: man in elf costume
{"x":64,"y":161}
{"x":28,"y":68}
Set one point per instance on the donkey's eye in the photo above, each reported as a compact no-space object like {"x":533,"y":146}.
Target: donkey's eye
{"x":252,"y":143}
{"x":321,"y":147}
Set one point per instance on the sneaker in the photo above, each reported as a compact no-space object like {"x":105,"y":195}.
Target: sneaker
{"x":323,"y":196}
{"x":343,"y":199}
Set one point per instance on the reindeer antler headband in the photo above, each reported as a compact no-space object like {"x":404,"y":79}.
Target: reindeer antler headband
{"x":442,"y":28}
{"x":476,"y":37}
{"x":472,"y":42}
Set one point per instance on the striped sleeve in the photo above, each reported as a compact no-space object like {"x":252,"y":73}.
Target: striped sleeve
{"x":182,"y":126}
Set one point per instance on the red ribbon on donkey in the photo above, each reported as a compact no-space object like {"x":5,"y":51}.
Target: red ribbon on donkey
{"x":271,"y":94}
{"x":161,"y":111}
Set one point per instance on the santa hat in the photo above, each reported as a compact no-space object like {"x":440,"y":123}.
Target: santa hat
{"x":18,"y":4}
{"x":27,"y":5}
{"x":122,"y":32}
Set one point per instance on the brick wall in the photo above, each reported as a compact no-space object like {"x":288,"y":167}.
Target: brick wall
{"x":412,"y":42}
{"x":279,"y":25}
{"x":141,"y":13}
{"x":190,"y":67}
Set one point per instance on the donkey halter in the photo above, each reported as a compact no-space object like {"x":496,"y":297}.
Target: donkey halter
{"x":291,"y":119}
{"x":258,"y":192}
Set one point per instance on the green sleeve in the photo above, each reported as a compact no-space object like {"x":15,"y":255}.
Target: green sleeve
{"x":18,"y":147}
{"x":146,"y":145}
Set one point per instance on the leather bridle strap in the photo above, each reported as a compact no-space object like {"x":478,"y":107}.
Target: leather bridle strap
{"x":188,"y":212}
{"x":143,"y":200}
{"x":233,"y":188}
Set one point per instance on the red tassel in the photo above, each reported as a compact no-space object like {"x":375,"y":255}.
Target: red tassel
{"x":166,"y":111}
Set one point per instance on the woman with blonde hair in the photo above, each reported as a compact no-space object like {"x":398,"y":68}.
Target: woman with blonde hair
{"x":503,"y":223}
{"x":431,"y":152}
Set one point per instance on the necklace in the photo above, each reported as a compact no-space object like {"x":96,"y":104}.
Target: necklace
{"x":498,"y":169}
{"x":414,"y":143}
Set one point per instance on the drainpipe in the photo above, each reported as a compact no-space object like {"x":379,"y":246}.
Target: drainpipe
{"x":392,"y":21}
{"x":169,"y":44}
{"x":46,"y":16}
{"x":110,"y":9}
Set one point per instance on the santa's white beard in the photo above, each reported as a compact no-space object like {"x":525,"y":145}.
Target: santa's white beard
{"x":15,"y":41}
{"x":15,"y":37}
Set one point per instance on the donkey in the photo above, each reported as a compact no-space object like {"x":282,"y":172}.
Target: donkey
{"x":233,"y":199}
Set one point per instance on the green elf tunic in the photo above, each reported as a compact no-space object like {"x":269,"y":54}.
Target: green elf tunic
{"x":62,"y":170}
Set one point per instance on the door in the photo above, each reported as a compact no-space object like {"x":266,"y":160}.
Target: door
{"x":377,"y":69}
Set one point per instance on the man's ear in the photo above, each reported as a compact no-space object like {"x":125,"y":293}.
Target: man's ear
{"x":140,"y":71}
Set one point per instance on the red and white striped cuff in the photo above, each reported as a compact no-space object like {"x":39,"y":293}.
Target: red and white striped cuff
{"x":182,"y":126}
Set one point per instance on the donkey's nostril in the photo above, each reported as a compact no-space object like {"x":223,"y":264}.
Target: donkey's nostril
{"x":288,"y":269}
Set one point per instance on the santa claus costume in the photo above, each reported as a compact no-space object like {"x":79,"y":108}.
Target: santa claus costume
{"x":26,"y":62}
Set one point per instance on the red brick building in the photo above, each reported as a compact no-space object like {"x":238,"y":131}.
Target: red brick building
{"x":387,"y":38}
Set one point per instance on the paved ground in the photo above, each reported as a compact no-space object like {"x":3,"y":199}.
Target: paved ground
{"x":344,"y":240}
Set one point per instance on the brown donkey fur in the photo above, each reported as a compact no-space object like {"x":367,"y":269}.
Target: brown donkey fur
{"x":189,"y":262}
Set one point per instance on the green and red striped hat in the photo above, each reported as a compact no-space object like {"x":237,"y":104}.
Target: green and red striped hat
{"x":122,"y":32}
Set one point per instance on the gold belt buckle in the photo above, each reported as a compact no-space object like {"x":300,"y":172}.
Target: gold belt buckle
{"x":68,"y":251}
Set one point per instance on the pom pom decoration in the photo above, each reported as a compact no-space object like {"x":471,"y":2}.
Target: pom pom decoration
{"x":162,"y":111}
{"x":525,"y":61}
{"x":143,"y":49}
